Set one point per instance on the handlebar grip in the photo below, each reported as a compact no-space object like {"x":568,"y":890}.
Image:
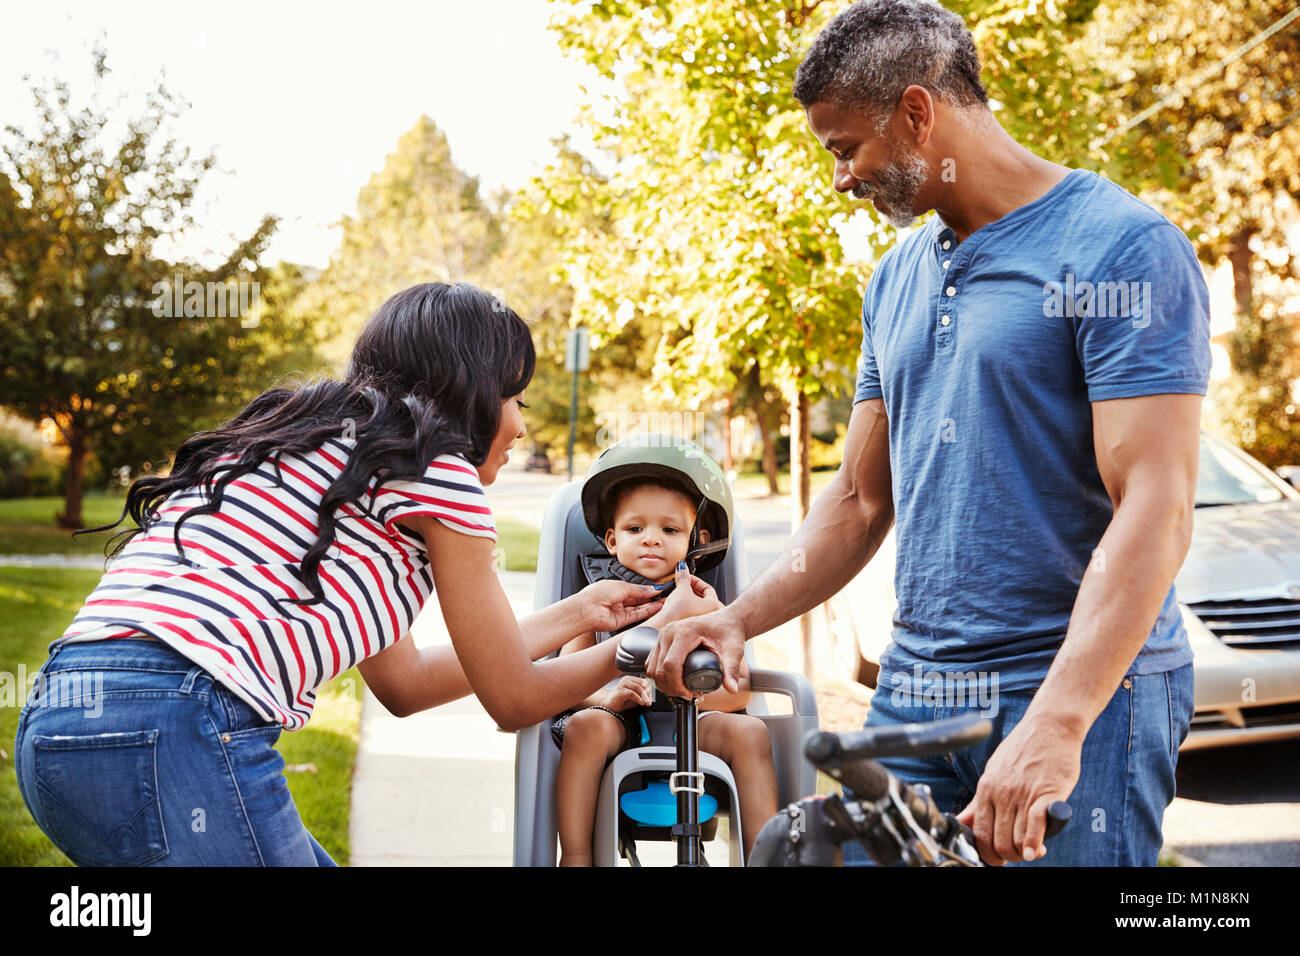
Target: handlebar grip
{"x":868,"y":780}
{"x":634,"y":647}
{"x":1058,"y":815}
{"x":702,"y":671}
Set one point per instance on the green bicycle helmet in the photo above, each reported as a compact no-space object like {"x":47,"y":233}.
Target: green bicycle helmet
{"x":677,"y":461}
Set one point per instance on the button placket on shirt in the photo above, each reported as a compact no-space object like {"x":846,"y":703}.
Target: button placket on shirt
{"x":946,"y":310}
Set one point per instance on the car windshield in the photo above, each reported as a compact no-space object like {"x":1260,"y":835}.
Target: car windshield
{"x":1227,"y":479}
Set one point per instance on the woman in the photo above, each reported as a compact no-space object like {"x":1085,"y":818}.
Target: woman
{"x":298,"y":540}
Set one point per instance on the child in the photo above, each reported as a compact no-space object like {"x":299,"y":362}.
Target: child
{"x":651,"y":524}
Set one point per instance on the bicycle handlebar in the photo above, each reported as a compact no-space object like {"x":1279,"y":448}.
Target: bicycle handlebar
{"x":894,"y":821}
{"x":914,"y":740}
{"x":701,"y":671}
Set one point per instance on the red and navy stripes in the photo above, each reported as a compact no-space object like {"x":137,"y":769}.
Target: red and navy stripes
{"x":223,"y":603}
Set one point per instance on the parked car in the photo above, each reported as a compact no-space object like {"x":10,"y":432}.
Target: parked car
{"x":1239,"y":593}
{"x":1239,"y":590}
{"x":538,"y":461}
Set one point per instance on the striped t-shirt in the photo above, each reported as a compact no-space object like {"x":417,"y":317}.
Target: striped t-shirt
{"x":218,"y":608}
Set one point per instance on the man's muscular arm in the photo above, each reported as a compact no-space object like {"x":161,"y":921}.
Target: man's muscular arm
{"x":1147,"y":453}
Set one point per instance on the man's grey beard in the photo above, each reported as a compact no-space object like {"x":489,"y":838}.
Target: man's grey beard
{"x":900,"y":181}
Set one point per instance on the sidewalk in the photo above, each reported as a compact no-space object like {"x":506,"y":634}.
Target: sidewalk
{"x":436,"y":788}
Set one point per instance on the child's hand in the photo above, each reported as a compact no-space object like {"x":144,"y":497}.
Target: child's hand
{"x":630,"y":692}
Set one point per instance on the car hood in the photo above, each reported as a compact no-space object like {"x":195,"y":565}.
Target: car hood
{"x":1246,"y":552}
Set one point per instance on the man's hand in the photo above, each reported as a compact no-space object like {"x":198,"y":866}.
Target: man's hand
{"x":611,"y":605}
{"x":714,"y":630}
{"x":1034,"y":766}
{"x":629,"y":692}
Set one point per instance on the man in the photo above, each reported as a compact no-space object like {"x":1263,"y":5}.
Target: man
{"x":1027,"y":412}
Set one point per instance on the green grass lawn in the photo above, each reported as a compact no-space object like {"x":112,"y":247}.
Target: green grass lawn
{"x":517,"y":543}
{"x":27,"y":525}
{"x":37,"y":605}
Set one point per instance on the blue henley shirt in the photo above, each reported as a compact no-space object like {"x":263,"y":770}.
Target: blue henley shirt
{"x":987,"y":354}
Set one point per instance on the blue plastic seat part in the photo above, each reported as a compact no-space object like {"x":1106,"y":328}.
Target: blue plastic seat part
{"x":655,"y":806}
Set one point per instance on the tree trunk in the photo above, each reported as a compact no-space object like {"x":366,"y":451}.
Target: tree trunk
{"x":800,"y":482}
{"x":800,"y":461}
{"x":1239,"y":255}
{"x":769,"y":455}
{"x":728,"y":462}
{"x":768,"y":415}
{"x":72,"y":490}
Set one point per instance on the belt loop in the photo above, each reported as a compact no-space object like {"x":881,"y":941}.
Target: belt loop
{"x":187,"y":685}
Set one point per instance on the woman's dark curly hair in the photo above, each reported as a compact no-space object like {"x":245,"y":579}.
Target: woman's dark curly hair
{"x":427,"y":376}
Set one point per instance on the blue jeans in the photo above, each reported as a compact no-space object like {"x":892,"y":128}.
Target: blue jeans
{"x":128,"y":754}
{"x":1126,"y":777}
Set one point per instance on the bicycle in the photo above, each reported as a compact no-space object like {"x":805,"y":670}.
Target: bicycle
{"x":895,"y":822}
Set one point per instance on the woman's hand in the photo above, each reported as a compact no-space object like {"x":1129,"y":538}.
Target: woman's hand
{"x":611,"y":604}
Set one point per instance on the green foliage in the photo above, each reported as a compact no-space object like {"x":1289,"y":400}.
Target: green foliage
{"x":419,"y":219}
{"x":721,"y":243}
{"x":1053,"y":89}
{"x":1228,"y":115}
{"x":531,"y":270}
{"x":85,"y":345}
{"x":18,"y":458}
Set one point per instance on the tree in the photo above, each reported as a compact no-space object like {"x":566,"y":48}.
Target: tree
{"x":86,"y":342}
{"x":1216,"y":82}
{"x":419,"y":219}
{"x":724,"y":243}
{"x":540,"y":227}
{"x":277,"y":343}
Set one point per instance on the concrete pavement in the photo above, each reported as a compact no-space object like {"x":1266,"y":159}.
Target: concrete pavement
{"x":436,"y":788}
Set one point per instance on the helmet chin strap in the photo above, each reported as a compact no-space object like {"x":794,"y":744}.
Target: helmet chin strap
{"x":695,"y":534}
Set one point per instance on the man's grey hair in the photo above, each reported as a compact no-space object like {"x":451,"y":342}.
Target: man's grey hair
{"x":871,"y":52}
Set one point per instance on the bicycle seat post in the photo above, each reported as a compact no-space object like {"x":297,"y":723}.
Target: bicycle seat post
{"x":687,"y":783}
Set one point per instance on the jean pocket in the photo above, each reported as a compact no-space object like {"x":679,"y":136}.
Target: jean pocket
{"x":98,"y":796}
{"x":1180,"y":687}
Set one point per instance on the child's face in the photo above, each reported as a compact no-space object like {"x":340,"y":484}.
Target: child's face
{"x":652,"y":531}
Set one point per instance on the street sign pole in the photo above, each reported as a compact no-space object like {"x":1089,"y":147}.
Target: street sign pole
{"x":576,"y":359}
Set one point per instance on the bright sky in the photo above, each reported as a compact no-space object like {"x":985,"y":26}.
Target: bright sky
{"x":302,"y":101}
